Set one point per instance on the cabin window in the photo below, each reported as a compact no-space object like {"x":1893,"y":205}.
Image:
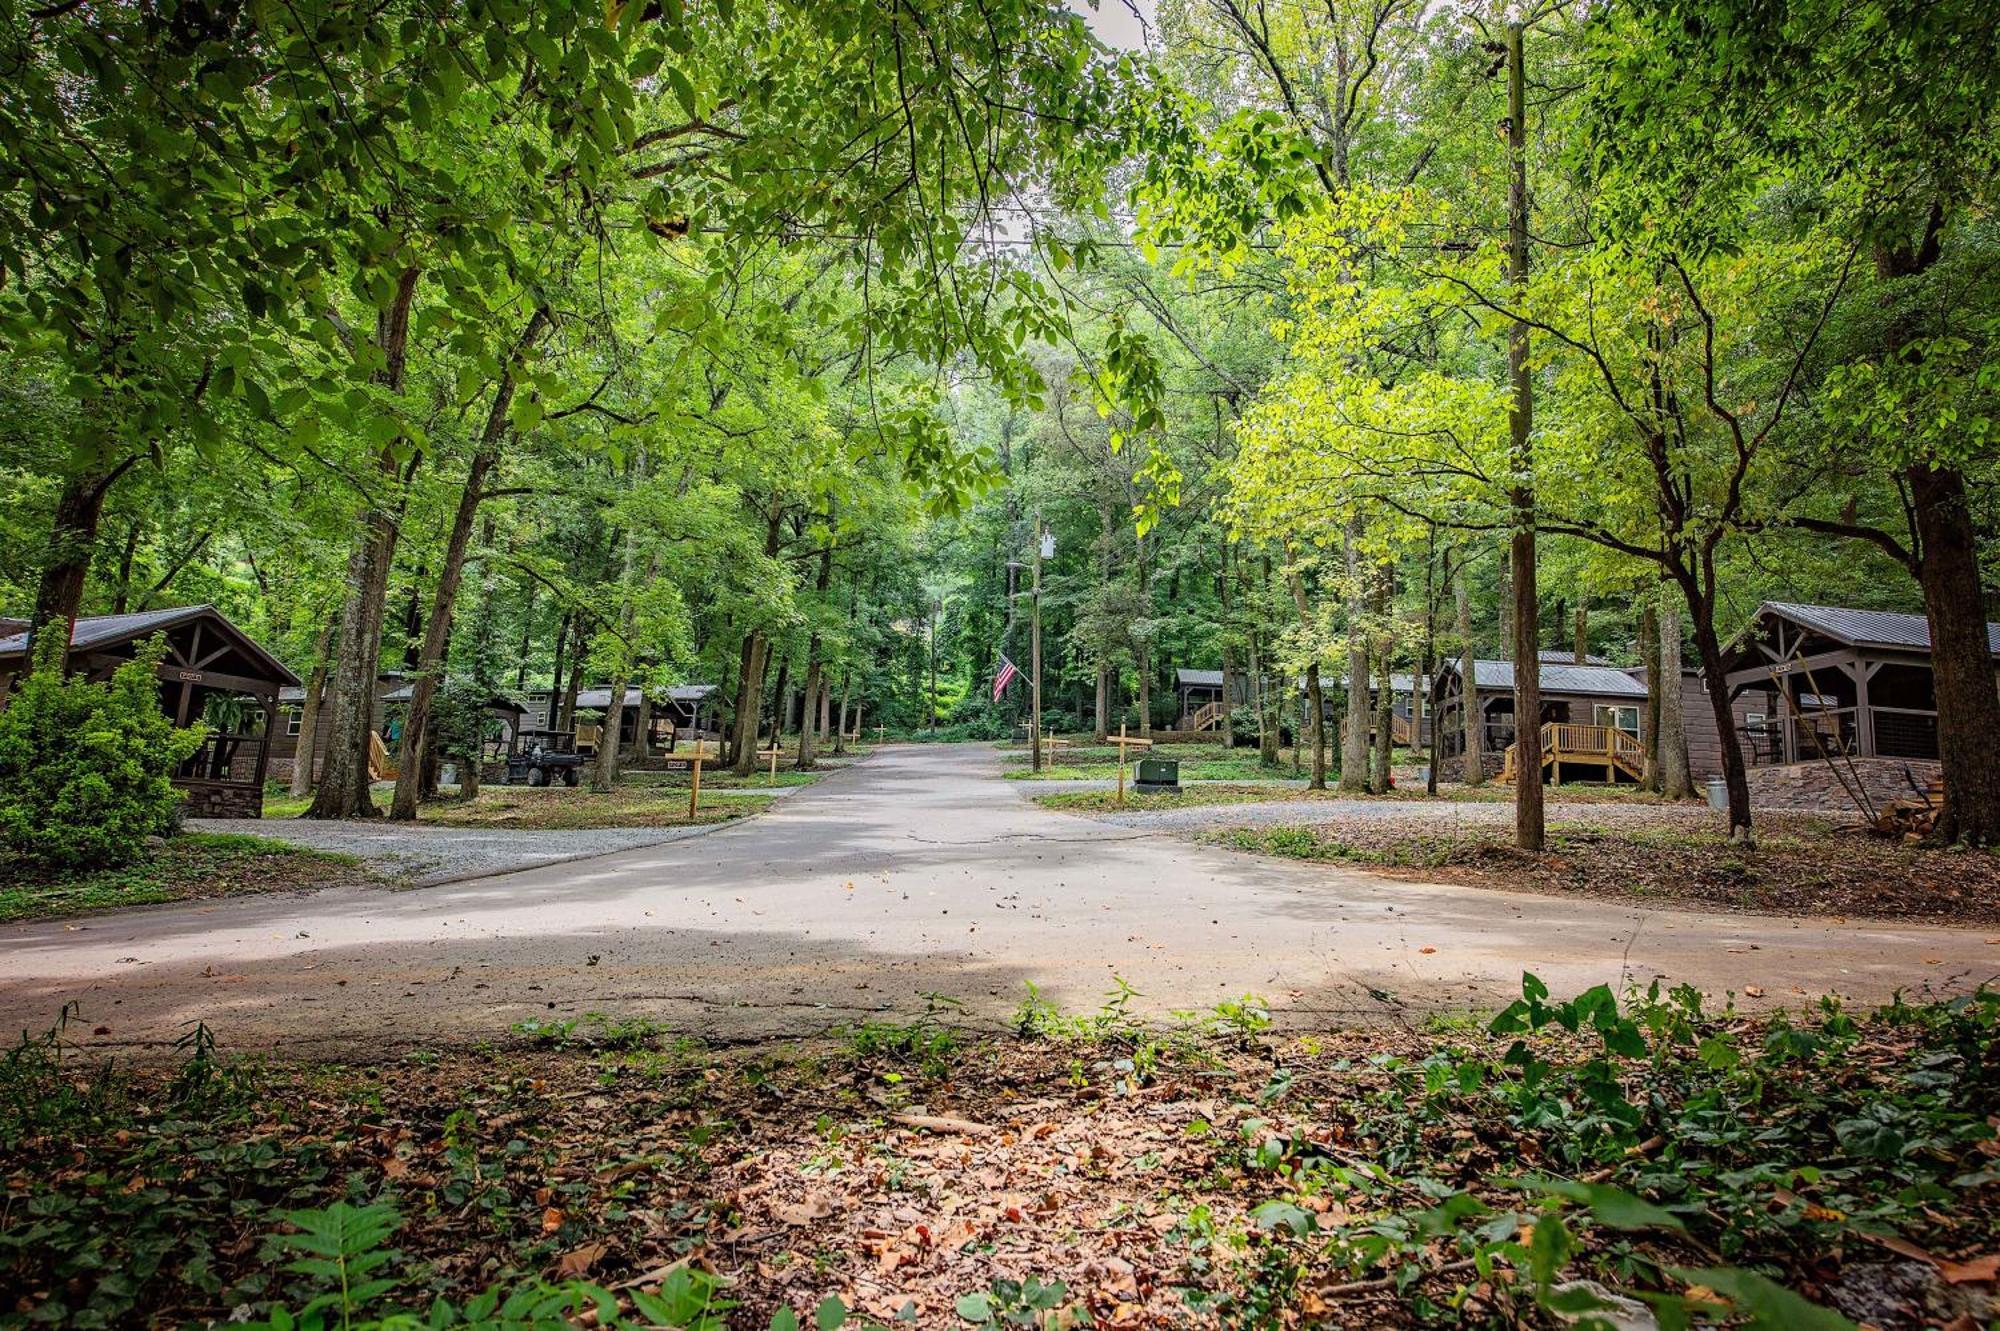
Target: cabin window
{"x":293,"y":718}
{"x":1619,"y":718}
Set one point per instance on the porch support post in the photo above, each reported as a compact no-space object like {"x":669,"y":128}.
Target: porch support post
{"x":1864,"y":716}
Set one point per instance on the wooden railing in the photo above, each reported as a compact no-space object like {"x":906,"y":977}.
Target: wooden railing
{"x":1566,"y":741}
{"x":1209,"y":715}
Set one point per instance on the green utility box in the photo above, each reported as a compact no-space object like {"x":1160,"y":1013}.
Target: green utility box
{"x":1157,"y":775}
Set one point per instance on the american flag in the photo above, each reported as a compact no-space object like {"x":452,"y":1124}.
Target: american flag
{"x":1004,"y":678}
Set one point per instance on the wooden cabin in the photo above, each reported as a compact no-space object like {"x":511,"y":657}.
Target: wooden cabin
{"x":1819,"y":681}
{"x":1202,"y":697}
{"x":503,"y":727}
{"x":1591,"y":712}
{"x":678,"y":711}
{"x":291,"y":720}
{"x":212,"y":671}
{"x":1402,"y":708}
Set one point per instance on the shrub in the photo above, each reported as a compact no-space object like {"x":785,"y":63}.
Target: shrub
{"x":85,"y":768}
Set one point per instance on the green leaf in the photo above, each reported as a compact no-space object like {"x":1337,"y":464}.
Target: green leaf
{"x":1768,"y":1305}
{"x":831,"y":1314}
{"x":976,"y":1307}
{"x":1608,"y":1205}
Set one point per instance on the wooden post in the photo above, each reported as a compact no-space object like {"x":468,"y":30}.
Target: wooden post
{"x":774,"y":760}
{"x":1121,"y":762}
{"x":694,"y":788}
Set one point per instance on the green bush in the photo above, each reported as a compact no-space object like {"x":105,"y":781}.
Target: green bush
{"x":84,"y":768}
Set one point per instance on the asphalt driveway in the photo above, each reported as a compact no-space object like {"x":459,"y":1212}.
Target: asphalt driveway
{"x":917,"y":872}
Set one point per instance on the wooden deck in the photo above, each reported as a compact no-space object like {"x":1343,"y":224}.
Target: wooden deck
{"x":1608,"y":753}
{"x":1211,"y":716}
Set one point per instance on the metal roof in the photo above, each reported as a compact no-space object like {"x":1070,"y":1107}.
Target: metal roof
{"x":92,"y":631}
{"x":498,"y":701}
{"x":1199,"y":678}
{"x":1556,"y":677}
{"x":1866,"y":628}
{"x":1565,"y":656}
{"x":1397,"y":683}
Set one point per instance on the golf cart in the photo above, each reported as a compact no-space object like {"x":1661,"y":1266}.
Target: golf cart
{"x":544,"y":756}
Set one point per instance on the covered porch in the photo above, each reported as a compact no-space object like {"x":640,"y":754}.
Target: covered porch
{"x":213,"y":673}
{"x":1820,"y":682}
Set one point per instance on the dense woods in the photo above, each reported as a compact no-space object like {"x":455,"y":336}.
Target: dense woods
{"x":562,"y":345}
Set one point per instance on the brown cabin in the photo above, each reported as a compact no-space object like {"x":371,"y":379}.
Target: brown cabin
{"x":291,"y":720}
{"x":1813,"y":682}
{"x":1594,"y":706}
{"x":212,"y":670}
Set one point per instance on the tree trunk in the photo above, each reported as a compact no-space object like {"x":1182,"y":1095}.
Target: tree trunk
{"x":1471,"y":716}
{"x":610,"y":732}
{"x":343,"y":786}
{"x":1676,"y":781}
{"x":1102,"y":731}
{"x":303,"y":753}
{"x":1968,"y":708}
{"x":642,"y":729}
{"x":1316,"y":725}
{"x":1228,"y":656}
{"x":1649,"y":720}
{"x":1354,"y":743}
{"x":1734,"y":775}
{"x":749,"y":706}
{"x":1385,"y":726}
{"x":579,"y":661}
{"x":66,"y":566}
{"x":123,"y":601}
{"x":1528,"y":822}
{"x":1582,"y":649}
{"x":815,"y":668}
{"x":553,"y":717}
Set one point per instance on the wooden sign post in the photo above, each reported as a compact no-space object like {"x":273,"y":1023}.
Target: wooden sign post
{"x":1122,"y":742}
{"x":694,"y":786}
{"x":772,"y":753}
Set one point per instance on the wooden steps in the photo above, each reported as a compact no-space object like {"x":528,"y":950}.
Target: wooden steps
{"x":1567,"y":746}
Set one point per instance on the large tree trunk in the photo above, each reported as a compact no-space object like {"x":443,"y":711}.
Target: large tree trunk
{"x":1316,"y":724}
{"x":303,"y":753}
{"x":66,"y":566}
{"x":1528,"y":821}
{"x":1470,"y":715}
{"x":579,"y":661}
{"x":749,"y":707}
{"x":1968,"y":708}
{"x":1676,"y":776}
{"x":1649,"y":718}
{"x":1735,"y":775}
{"x":343,"y":786}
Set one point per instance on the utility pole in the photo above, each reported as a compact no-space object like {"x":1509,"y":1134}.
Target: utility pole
{"x":1035,"y":650}
{"x":1528,"y":826}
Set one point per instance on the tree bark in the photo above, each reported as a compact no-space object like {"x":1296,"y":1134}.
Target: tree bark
{"x":1581,"y":651}
{"x":1354,"y":743}
{"x":444,"y":601}
{"x":1968,"y":708}
{"x":1649,"y":720}
{"x":1228,"y":656}
{"x":1470,"y":715}
{"x":343,"y":786}
{"x":303,"y":753}
{"x":815,"y":668}
{"x":1676,"y":780}
{"x":1528,"y":820}
{"x":66,"y":566}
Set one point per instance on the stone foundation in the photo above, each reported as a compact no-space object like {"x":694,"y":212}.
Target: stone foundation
{"x":224,"y":801}
{"x":1815,"y":784}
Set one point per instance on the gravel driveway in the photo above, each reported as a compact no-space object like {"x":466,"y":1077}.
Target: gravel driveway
{"x":432,"y":855}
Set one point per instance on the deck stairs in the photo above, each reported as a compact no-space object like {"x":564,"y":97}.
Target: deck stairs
{"x":1608,"y":752}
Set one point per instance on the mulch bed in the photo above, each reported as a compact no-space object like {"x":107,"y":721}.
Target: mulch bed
{"x":1802,"y":864}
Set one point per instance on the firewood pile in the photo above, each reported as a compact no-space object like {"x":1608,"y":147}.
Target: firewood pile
{"x":1914,"y":815}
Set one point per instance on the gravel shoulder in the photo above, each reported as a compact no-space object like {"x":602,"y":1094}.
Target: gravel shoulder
{"x":424,"y":856}
{"x":1440,"y":816}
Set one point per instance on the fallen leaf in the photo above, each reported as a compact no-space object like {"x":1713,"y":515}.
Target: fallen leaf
{"x":578,"y":1261}
{"x":552,"y":1220}
{"x":1974,"y":1271}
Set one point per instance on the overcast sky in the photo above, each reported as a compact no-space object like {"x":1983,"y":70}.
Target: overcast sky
{"x":1114,"y":22}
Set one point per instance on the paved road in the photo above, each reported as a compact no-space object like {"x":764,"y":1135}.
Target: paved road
{"x":917,"y":871}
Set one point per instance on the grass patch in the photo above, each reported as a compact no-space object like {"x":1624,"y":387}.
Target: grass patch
{"x":191,"y":866}
{"x":1465,"y":1172}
